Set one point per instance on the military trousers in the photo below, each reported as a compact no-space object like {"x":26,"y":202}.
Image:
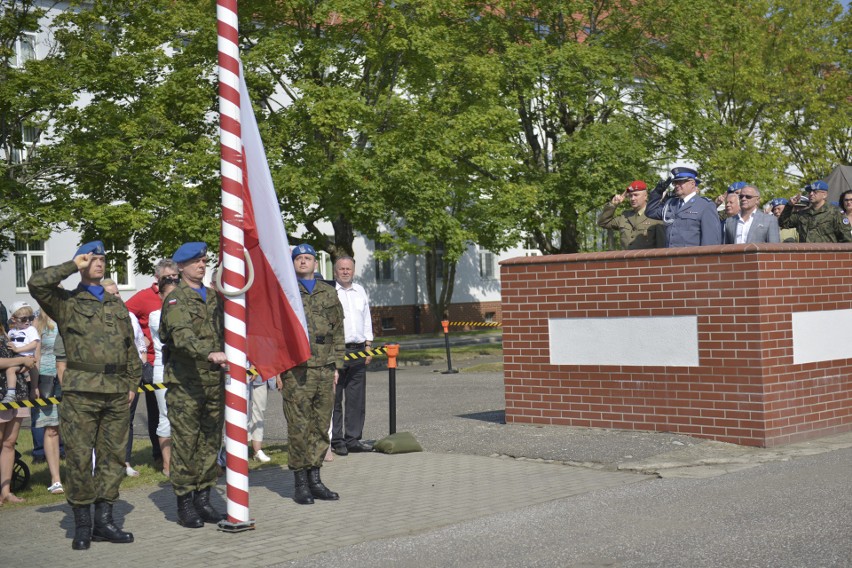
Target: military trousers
{"x":196,"y":414}
{"x":100,"y":422}
{"x":308,"y":394}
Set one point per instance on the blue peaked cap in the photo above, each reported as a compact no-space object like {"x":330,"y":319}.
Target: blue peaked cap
{"x":303,"y":249}
{"x":190,"y":251}
{"x":736,"y":186}
{"x":685,"y":173}
{"x":94,"y":247}
{"x":817,"y":185}
{"x":778,"y":201}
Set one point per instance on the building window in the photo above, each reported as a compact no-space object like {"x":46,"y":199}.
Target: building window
{"x":489,"y":316}
{"x":384,"y":268}
{"x":324,"y":265}
{"x":388,"y":324}
{"x":29,"y":257}
{"x":25,"y":49}
{"x":29,"y":136}
{"x":486,"y":264}
{"x":120,"y":267}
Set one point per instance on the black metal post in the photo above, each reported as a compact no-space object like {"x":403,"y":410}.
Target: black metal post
{"x":450,"y":370}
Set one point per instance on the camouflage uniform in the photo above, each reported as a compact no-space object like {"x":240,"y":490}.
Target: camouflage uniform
{"x":103,"y":366}
{"x":308,"y":390}
{"x":637,"y":231}
{"x":827,"y":224}
{"x":190,"y":330}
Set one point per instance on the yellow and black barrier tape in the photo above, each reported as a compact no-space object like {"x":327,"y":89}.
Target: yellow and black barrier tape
{"x":37,"y":403}
{"x":475,"y":324}
{"x":366,"y":353}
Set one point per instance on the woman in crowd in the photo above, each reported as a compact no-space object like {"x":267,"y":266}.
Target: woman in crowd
{"x":846,"y":204}
{"x":10,"y":423}
{"x":164,"y":429}
{"x":48,"y":385}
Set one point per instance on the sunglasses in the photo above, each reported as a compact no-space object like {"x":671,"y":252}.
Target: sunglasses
{"x":747,"y":196}
{"x":26,"y":318}
{"x":169,"y":280}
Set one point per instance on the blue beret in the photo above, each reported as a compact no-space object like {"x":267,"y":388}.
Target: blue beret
{"x":303,"y":249}
{"x":736,"y":186}
{"x":778,"y":201}
{"x":818,"y":185}
{"x":94,"y":247}
{"x":189,"y":251}
{"x":685,"y":173}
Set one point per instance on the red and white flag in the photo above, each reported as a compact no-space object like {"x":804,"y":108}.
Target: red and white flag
{"x":276,"y":334}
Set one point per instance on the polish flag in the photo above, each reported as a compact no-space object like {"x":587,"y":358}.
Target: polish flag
{"x":276,"y":334}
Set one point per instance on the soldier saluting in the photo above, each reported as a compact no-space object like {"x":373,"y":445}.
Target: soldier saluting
{"x":100,"y":381}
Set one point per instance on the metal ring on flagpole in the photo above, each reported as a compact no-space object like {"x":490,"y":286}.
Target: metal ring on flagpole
{"x":249,"y":278}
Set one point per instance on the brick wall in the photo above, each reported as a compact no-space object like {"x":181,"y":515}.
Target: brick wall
{"x":746,"y":388}
{"x":404,"y":316}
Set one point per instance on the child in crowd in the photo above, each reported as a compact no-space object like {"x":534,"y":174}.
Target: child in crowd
{"x":24,"y":340}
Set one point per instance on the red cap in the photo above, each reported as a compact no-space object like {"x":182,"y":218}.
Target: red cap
{"x":637,"y":185}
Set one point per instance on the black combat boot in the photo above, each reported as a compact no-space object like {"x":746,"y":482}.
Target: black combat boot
{"x":301,"y":494}
{"x":105,"y":529}
{"x":187,"y":515}
{"x":203,"y":507}
{"x":318,"y":489}
{"x":82,"y":527}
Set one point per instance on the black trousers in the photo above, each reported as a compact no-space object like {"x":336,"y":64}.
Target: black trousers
{"x":350,"y":398}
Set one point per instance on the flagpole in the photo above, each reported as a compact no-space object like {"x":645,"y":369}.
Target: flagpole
{"x":233,"y":269}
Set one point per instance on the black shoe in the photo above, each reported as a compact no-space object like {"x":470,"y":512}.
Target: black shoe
{"x":340,"y":449}
{"x":187,"y":515}
{"x":359,"y":446}
{"x":105,"y":529}
{"x":318,"y":489}
{"x":205,"y":510}
{"x":39,"y":459}
{"x":302,"y":494}
{"x":82,"y":528}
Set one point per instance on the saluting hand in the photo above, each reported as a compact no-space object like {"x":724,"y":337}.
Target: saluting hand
{"x":618,"y":198}
{"x":83,"y":260}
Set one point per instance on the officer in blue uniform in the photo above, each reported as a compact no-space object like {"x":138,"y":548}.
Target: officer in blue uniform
{"x":691,"y":220}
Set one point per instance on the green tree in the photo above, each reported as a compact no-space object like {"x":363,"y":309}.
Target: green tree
{"x":570,"y":73}
{"x":32,"y":90}
{"x":743,"y":85}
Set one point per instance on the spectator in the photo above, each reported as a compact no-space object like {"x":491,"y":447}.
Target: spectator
{"x":48,"y":386}
{"x":750,"y":225}
{"x":308,"y":388}
{"x":141,"y":305}
{"x":636,"y":230}
{"x":846,"y":204}
{"x":725,"y":205}
{"x":4,"y":317}
{"x":165,"y":285}
{"x":350,"y":395}
{"x":110,"y":287}
{"x":23,"y":340}
{"x":691,"y":220}
{"x":258,"y":390}
{"x":10,"y":422}
{"x":818,"y":222}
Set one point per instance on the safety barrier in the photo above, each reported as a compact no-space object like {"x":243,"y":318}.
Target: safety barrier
{"x":474,"y":324}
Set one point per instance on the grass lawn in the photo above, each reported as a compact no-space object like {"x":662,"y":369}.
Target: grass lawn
{"x":36,"y":493}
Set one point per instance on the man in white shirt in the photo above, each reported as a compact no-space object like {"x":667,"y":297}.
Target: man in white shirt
{"x":350,"y":394}
{"x":751,"y":225}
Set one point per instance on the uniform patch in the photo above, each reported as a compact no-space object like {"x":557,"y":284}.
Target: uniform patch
{"x":172,"y":302}
{"x":846,"y":220}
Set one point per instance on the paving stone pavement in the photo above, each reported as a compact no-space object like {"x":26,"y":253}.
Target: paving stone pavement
{"x":381,"y":496}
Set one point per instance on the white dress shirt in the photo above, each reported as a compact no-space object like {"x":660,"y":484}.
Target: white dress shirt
{"x":357,"y":322}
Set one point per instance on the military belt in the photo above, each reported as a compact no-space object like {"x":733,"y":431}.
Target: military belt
{"x":200,"y":365}
{"x":108,"y":369}
{"x":356,"y":345}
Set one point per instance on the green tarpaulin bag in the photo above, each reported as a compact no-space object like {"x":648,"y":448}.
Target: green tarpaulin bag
{"x":399,"y":443}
